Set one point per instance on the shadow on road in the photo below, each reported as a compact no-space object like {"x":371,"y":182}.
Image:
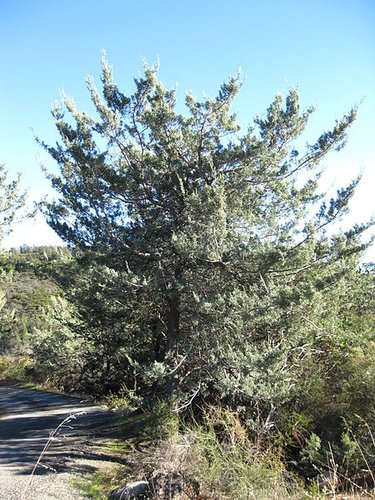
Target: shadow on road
{"x":27,"y":419}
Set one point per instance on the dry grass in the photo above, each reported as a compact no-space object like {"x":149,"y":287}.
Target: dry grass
{"x":219,"y":455}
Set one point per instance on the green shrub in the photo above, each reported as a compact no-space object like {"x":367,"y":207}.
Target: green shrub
{"x":15,"y":370}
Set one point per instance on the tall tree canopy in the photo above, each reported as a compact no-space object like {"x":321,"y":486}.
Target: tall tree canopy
{"x":207,"y":251}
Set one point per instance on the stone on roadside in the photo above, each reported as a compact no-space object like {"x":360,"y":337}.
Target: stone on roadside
{"x":138,"y":489}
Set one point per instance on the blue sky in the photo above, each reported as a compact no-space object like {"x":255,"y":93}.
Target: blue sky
{"x":324,"y":48}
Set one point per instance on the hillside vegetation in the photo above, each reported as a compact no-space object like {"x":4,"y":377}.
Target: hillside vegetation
{"x":204,"y":282}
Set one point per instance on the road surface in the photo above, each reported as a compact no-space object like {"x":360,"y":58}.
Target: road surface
{"x":27,"y":418}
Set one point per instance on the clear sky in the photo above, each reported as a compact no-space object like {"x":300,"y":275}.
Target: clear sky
{"x":325,"y":48}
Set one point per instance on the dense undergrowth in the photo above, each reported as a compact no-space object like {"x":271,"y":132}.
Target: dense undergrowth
{"x":216,"y":459}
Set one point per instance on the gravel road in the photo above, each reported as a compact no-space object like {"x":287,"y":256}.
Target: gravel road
{"x":27,"y":417}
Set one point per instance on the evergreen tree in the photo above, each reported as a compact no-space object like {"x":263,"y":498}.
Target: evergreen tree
{"x":208,"y":246}
{"x":11,"y":201}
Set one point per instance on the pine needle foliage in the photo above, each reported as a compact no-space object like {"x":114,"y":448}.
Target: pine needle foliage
{"x":203,"y":258}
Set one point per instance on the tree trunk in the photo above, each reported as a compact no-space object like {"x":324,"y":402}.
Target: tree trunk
{"x":173,"y":326}
{"x":173,"y":331}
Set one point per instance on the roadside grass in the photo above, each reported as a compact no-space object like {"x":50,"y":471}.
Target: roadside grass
{"x":152,"y":442}
{"x":15,"y":370}
{"x":216,"y":453}
{"x":219,"y":455}
{"x":100,"y":484}
{"x":136,"y":435}
{"x":231,"y":470}
{"x":139,"y":435}
{"x":19,"y":372}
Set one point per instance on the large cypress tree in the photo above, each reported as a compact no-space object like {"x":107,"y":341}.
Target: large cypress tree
{"x":209,"y":244}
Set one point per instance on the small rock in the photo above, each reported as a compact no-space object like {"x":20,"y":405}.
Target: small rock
{"x":138,"y":489}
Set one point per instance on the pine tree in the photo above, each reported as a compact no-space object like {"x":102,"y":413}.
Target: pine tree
{"x":209,"y":245}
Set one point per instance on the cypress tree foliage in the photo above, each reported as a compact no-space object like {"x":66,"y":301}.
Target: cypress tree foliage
{"x":205,"y":248}
{"x":11,"y":201}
